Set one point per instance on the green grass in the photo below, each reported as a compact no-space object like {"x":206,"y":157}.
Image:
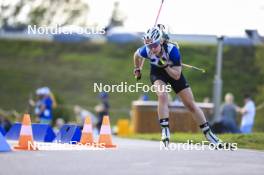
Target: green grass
{"x":249,"y":141}
{"x":71,"y":69}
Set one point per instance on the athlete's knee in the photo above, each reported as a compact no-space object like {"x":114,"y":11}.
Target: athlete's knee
{"x":191,"y":106}
{"x":163,"y":97}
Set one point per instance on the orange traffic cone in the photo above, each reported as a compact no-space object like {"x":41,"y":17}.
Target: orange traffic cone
{"x":105,"y":137}
{"x":87,"y":132}
{"x":26,"y":137}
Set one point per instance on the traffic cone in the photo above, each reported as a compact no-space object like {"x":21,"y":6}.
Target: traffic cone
{"x":105,"y":137}
{"x":26,"y":137}
{"x":87,"y":132}
{"x":4,"y":146}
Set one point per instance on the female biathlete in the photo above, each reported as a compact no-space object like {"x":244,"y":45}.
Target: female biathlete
{"x":165,"y":60}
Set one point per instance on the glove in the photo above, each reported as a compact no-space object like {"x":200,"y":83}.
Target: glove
{"x":163,"y":63}
{"x":137,"y":73}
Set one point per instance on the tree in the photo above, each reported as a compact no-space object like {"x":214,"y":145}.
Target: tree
{"x":44,"y":12}
{"x":260,"y":65}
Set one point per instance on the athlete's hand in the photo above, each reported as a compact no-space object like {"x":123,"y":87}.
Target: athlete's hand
{"x":163,"y":62}
{"x":137,"y":73}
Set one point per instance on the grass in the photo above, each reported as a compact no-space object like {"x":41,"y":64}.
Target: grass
{"x":249,"y":141}
{"x":71,"y":69}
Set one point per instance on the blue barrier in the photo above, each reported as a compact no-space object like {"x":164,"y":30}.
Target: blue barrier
{"x":4,"y":146}
{"x":14,"y":131}
{"x":68,"y":133}
{"x":41,"y":132}
{"x":2,"y":130}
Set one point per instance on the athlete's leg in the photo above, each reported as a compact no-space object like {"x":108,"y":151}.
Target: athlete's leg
{"x":163,"y":102}
{"x":187,"y":98}
{"x":163,"y":110}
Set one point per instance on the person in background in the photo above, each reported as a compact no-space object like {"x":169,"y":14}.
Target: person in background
{"x":248,"y":114}
{"x":82,"y":113}
{"x":229,"y":115}
{"x":102,"y":108}
{"x":43,"y":105}
{"x":58,"y":124}
{"x":5,"y":123}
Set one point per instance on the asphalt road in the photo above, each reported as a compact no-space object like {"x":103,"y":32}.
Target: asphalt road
{"x":133,"y":157}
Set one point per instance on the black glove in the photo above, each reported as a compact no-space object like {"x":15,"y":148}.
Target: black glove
{"x":163,"y":63}
{"x":137,"y":73}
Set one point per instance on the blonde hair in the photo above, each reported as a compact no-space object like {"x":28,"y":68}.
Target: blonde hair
{"x":229,"y":98}
{"x":54,"y":102}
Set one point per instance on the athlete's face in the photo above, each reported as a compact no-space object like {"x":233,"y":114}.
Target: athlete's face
{"x":155,"y":48}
